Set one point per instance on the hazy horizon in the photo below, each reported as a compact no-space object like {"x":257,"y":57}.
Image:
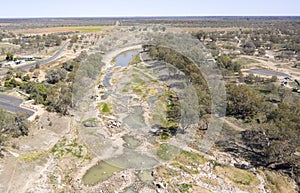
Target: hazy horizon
{"x":153,"y":8}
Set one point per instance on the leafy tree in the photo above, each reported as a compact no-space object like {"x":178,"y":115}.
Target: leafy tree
{"x":249,"y":48}
{"x":224,"y":61}
{"x":189,"y":69}
{"x":59,"y":98}
{"x":13,"y":83}
{"x":274,"y":144}
{"x":56,"y":76}
{"x":74,"y":39}
{"x":14,"y":124}
{"x":243,"y":102}
{"x":19,"y":74}
{"x":9,"y":56}
{"x":37,"y":91}
{"x":22,"y":125}
{"x":26,"y":78}
{"x":227,"y":65}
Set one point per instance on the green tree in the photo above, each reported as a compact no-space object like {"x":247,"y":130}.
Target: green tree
{"x":9,"y":56}
{"x":243,"y":102}
{"x":59,"y":98}
{"x":74,"y":39}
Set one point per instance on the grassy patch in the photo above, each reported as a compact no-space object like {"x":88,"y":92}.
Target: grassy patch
{"x":185,"y":187}
{"x":138,"y":89}
{"x":182,"y":159}
{"x":142,"y":72}
{"x":200,"y":189}
{"x":90,"y":120}
{"x":166,"y":172}
{"x":167,"y":152}
{"x":135,"y":59}
{"x":104,"y":108}
{"x":64,"y":147}
{"x":210,"y":181}
{"x":246,"y":61}
{"x":278,"y":183}
{"x":85,"y":29}
{"x":7,"y":45}
{"x":137,"y":79}
{"x":189,"y":161}
{"x":33,"y":155}
{"x":244,"y":179}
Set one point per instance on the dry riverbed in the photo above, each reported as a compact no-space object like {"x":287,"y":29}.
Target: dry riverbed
{"x":114,"y":150}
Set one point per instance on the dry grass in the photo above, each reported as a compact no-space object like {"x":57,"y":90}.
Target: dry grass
{"x":278,"y":183}
{"x":200,"y":189}
{"x":243,"y":179}
{"x":83,"y":29}
{"x":33,"y":155}
{"x":166,"y":173}
{"x":213,"y":182}
{"x":206,"y":29}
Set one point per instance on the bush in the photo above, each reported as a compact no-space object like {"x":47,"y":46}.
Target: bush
{"x":14,"y":124}
{"x":243,"y":102}
{"x":68,"y":66}
{"x":26,"y":78}
{"x":12,"y":83}
{"x":56,"y":76}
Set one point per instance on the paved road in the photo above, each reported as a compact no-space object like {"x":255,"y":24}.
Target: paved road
{"x":42,"y":62}
{"x":267,"y":72}
{"x":12,"y":104}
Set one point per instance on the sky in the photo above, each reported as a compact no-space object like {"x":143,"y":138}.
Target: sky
{"x":116,"y":8}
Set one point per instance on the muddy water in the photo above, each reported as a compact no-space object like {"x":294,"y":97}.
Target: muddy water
{"x":100,"y":172}
{"x":146,"y":177}
{"x":131,"y":142}
{"x":130,"y":159}
{"x":135,"y":120}
{"x":122,"y":60}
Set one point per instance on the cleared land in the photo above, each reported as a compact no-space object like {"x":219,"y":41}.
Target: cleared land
{"x":82,"y":29}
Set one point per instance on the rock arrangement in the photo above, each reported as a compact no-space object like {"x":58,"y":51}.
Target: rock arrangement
{"x":113,"y":124}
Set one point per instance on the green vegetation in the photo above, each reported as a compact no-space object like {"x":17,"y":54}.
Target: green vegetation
{"x":185,"y":187}
{"x":56,"y":96}
{"x":93,"y":120}
{"x":188,"y":161}
{"x":274,"y":138}
{"x":243,"y":102}
{"x":182,"y":159}
{"x":9,"y":56}
{"x":167,"y":152}
{"x":189,"y":69}
{"x":74,"y":39}
{"x":277,"y":183}
{"x":12,"y":125}
{"x":173,"y":109}
{"x":228,"y":66}
{"x":85,"y":29}
{"x":244,"y":179}
{"x":104,"y":108}
{"x":33,"y":155}
{"x":66,"y":147}
{"x":137,"y":79}
{"x":135,"y":59}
